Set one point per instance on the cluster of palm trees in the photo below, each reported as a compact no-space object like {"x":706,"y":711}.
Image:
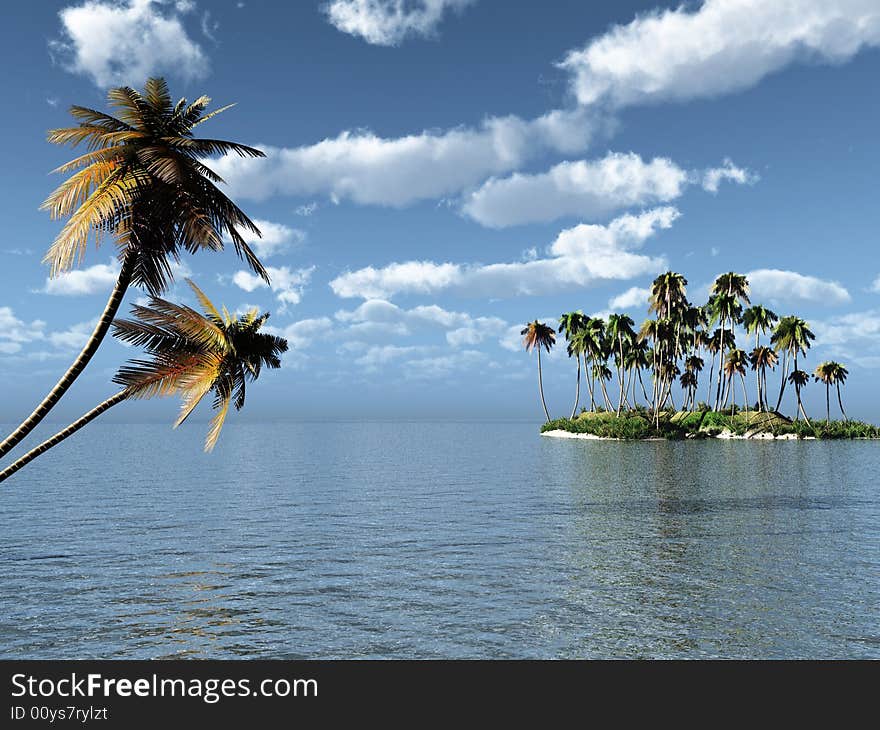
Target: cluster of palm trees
{"x":143,"y":183}
{"x":674,"y":345}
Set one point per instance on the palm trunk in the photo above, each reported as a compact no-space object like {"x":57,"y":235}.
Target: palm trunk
{"x":61,"y":435}
{"x":828,"y":403}
{"x":541,"y":386}
{"x":590,"y":384}
{"x":784,"y":375}
{"x":720,"y":368}
{"x":742,"y":378}
{"x":577,"y":392}
{"x":81,"y":361}
{"x":840,"y":403}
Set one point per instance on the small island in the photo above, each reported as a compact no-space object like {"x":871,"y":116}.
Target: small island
{"x":674,"y":425}
{"x":670,"y":352}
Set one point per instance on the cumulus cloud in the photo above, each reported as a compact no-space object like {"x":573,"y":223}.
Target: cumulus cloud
{"x":379,"y":317}
{"x":14,"y":332}
{"x":854,"y":336}
{"x":73,"y":338}
{"x":583,"y":188}
{"x":442,"y":366}
{"x":389,"y":22}
{"x":589,"y":189}
{"x":580,"y":256}
{"x":276,"y":238}
{"x":125,"y":41}
{"x":288,"y":284}
{"x":633,"y":297}
{"x":367,"y":169}
{"x":78,"y":282}
{"x":721,"y":47}
{"x":875,"y":287}
{"x":304,"y":333}
{"x":790,"y":286}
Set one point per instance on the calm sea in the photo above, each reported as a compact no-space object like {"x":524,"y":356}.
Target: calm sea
{"x":405,"y":540}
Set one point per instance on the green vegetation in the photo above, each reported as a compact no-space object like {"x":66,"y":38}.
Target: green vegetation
{"x":671,"y":350}
{"x":705,"y":424}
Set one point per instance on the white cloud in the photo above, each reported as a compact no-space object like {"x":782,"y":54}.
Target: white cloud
{"x":388,"y":22}
{"x":304,"y":333}
{"x":875,"y":287}
{"x":306,"y":209}
{"x":854,"y":336}
{"x":94,"y":279}
{"x":367,"y":169}
{"x":714,"y":176}
{"x":288,"y":284}
{"x":14,"y":332}
{"x":380,"y":317}
{"x":385,"y":354}
{"x":441,"y":366}
{"x":74,"y":337}
{"x":790,"y":286}
{"x":723,"y":46}
{"x":579,"y":257}
{"x":584,"y":188}
{"x":276,"y":238}
{"x":125,"y":41}
{"x":589,"y":189}
{"x":633,"y":297}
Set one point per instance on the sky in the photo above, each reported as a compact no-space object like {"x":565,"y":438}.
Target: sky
{"x":440,"y":172}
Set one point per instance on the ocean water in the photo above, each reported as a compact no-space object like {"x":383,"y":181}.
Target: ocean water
{"x":438,"y":540}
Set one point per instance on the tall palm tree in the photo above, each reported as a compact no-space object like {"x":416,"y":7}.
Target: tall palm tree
{"x":595,"y":352}
{"x":621,"y":335}
{"x":760,"y":359}
{"x":726,"y":296}
{"x":535,"y":336}
{"x":693,"y":366}
{"x":572,"y":323}
{"x":759,"y":320}
{"x":191,"y":354}
{"x":734,"y":365}
{"x":791,"y":336}
{"x":831,"y":373}
{"x":799,"y":380}
{"x":142,"y":182}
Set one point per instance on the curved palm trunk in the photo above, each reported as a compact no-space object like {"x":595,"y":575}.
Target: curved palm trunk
{"x":742,"y":378}
{"x":590,"y":384}
{"x":577,"y":392}
{"x":541,"y":386}
{"x":840,"y":403}
{"x":81,"y":361}
{"x":61,"y":435}
{"x":720,"y":368}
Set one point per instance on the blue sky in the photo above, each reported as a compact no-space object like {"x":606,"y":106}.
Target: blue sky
{"x":441,"y":171}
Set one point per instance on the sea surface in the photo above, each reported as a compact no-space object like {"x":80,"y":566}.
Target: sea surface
{"x":438,"y":540}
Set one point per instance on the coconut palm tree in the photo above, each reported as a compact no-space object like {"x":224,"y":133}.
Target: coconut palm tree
{"x":637,"y":359}
{"x":734,"y":365}
{"x":571,"y":323}
{"x":760,"y":359}
{"x":759,"y":320}
{"x":621,"y":335}
{"x":831,"y":373}
{"x":799,"y":380}
{"x":693,"y":366}
{"x":191,"y":354}
{"x":595,"y":352}
{"x":142,"y":182}
{"x":791,"y":336}
{"x":535,"y":336}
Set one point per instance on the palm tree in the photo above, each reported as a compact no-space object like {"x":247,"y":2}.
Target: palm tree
{"x":733,"y":366}
{"x":726,"y":296}
{"x":192,"y":354}
{"x":143,"y":182}
{"x":829,"y":373}
{"x":799,"y":380}
{"x":572,"y":323}
{"x":637,"y":360}
{"x":595,"y":351}
{"x":693,"y":365}
{"x":621,"y":335}
{"x":759,"y":320}
{"x":760,"y":359}
{"x":791,"y":336}
{"x":537,"y":335}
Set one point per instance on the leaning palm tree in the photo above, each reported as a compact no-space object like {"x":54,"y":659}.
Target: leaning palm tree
{"x":142,"y":182}
{"x":191,"y":354}
{"x":535,"y":336}
{"x":831,"y":373}
{"x":791,"y":336}
{"x":799,"y":380}
{"x":621,"y":336}
{"x":572,"y":323}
